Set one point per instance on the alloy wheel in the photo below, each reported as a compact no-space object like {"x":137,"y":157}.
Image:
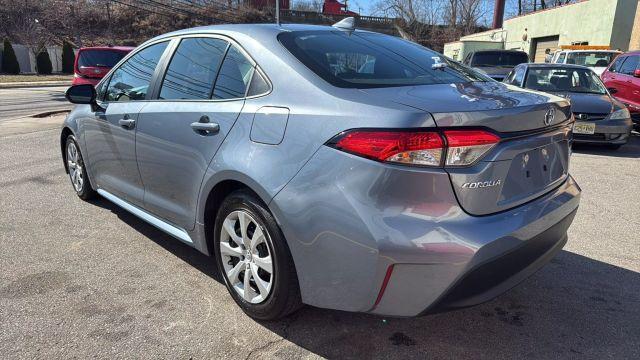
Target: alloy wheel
{"x":246,"y":256}
{"x":74,"y":165}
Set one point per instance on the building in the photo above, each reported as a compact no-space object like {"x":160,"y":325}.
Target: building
{"x":614,"y":23}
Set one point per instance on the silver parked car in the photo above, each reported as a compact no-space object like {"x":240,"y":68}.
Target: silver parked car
{"x":342,"y":169}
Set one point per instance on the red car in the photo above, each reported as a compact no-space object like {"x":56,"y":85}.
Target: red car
{"x":93,"y":63}
{"x":622,"y":78}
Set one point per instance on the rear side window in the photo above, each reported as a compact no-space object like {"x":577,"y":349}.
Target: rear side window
{"x":193,"y":69}
{"x":630,"y":65}
{"x":131,"y":80}
{"x":258,"y":85}
{"x":366,"y":60}
{"x":234,"y":76}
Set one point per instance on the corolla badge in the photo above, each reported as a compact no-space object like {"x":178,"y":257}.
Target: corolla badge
{"x":481,"y":184}
{"x":549,"y":116}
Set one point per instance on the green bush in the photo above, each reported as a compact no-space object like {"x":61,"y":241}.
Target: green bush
{"x":68,"y":58}
{"x":10,"y":63}
{"x":43,"y":63}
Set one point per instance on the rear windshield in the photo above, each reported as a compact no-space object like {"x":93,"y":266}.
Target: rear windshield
{"x":499,"y":58}
{"x":100,"y":58}
{"x":367,"y":60}
{"x":591,"y":58}
{"x":564,"y":80}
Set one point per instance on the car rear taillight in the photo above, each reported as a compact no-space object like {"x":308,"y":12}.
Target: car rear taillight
{"x":465,"y":147}
{"x":417,"y":148}
{"x":424,"y":148}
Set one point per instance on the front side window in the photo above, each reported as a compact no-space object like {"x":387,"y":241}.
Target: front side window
{"x":630,"y":65}
{"x":234,"y":77}
{"x":617,"y":64}
{"x":560,"y":59}
{"x":193,"y":69}
{"x":130,"y":82}
{"x":101,"y":90}
{"x":519,"y":75}
{"x":366,"y":60}
{"x":578,"y":80}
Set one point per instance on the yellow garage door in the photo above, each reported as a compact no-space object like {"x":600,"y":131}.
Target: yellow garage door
{"x":543,"y":43}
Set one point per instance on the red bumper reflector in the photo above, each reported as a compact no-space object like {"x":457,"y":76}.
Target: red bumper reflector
{"x":387,"y":276}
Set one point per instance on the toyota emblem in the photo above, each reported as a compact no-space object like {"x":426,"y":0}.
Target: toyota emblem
{"x":549,"y":116}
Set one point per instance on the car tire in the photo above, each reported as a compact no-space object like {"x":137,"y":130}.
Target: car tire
{"x":260,"y":294}
{"x":77,"y":171}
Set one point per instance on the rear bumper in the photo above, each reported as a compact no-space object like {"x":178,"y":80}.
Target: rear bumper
{"x":494,"y":267}
{"x":612,"y":132}
{"x":347,"y":220}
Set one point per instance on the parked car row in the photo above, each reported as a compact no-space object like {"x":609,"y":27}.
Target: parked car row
{"x":602,"y":107}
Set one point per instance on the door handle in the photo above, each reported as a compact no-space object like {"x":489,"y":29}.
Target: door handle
{"x":207,"y":128}
{"x":127,"y":123}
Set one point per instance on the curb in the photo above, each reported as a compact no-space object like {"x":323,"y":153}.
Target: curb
{"x":34,"y":84}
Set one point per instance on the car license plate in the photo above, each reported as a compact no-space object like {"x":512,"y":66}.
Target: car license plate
{"x":584,"y":128}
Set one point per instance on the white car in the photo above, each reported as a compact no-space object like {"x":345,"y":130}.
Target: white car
{"x":596,"y":60}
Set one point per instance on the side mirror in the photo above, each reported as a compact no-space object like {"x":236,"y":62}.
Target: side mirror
{"x":612,"y":90}
{"x":81,"y":94}
{"x":636,"y":73}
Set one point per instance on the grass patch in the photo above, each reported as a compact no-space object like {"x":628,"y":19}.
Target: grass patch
{"x":5,"y":78}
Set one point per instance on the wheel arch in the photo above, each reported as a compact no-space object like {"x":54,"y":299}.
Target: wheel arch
{"x":215,"y":194}
{"x":66,"y":131}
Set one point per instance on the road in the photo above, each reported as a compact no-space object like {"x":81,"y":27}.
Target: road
{"x":19,"y":102}
{"x":87,"y":280}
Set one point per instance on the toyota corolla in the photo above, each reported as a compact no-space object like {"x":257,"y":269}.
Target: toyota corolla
{"x":329,"y":166}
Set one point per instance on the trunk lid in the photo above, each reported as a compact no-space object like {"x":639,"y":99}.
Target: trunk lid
{"x":531,"y":159}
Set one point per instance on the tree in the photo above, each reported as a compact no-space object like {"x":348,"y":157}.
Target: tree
{"x":43,"y":63}
{"x":68,"y":58}
{"x":10,"y":63}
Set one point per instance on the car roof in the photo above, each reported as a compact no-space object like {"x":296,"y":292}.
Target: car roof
{"x":117,"y":48}
{"x":248,"y":29}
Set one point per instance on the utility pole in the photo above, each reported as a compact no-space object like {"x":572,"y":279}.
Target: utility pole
{"x":278,"y":12}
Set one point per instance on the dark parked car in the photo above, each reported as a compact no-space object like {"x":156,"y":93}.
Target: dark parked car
{"x":622,"y":79}
{"x":496,"y":63}
{"x":92,"y":63}
{"x":600,"y":118}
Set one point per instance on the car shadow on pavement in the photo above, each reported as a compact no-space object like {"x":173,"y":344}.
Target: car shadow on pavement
{"x":629,"y":150}
{"x":185,"y":252}
{"x":575,"y":307}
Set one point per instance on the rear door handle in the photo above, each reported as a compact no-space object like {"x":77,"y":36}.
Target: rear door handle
{"x":205,"y":127}
{"x":127,"y":123}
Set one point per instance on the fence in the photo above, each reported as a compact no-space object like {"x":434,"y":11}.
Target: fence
{"x":27,"y":59}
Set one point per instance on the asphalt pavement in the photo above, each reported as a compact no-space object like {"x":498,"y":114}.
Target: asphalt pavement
{"x":20,"y":102}
{"x":87,"y":280}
